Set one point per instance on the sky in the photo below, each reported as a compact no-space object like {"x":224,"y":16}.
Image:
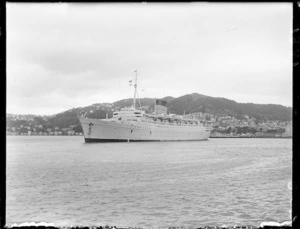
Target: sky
{"x":66,"y":55}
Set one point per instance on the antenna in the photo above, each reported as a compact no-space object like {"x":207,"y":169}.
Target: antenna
{"x":139,"y":100}
{"x":135,"y":92}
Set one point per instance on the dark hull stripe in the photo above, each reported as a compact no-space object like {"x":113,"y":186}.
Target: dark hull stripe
{"x":91,"y":140}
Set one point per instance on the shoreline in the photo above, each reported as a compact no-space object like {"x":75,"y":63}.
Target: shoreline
{"x":250,"y":137}
{"x":284,"y":137}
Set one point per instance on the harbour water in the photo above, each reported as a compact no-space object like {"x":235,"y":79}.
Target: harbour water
{"x":62,"y":180}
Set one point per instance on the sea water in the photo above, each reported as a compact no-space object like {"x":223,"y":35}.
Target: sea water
{"x":62,"y":180}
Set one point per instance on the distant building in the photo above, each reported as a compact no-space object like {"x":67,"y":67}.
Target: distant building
{"x":71,"y":132}
{"x":288,"y":130}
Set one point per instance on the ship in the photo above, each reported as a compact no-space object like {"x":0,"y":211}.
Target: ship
{"x":132,"y":124}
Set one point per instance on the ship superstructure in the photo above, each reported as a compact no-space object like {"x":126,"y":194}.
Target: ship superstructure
{"x":132,"y":124}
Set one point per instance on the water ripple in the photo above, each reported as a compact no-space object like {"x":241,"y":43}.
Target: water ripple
{"x":191,"y":184}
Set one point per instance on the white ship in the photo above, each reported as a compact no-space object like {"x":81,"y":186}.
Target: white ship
{"x":132,"y":124}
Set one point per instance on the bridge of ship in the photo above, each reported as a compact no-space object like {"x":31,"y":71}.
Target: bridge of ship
{"x":130,"y":114}
{"x":171,"y":120}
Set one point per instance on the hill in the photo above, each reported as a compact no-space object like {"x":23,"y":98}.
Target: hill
{"x":190,"y":103}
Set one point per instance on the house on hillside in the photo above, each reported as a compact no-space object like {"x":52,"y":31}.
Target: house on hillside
{"x":71,"y":132}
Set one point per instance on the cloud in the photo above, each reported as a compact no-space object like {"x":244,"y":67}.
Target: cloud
{"x":90,"y":51}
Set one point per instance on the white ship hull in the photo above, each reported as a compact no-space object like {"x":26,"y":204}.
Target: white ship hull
{"x":101,"y":130}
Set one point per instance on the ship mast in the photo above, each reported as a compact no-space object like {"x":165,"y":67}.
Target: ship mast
{"x":135,"y":92}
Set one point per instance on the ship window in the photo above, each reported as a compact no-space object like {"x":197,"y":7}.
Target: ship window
{"x":115,"y":113}
{"x":137,"y":113}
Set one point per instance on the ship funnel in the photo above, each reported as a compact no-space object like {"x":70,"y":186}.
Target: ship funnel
{"x":160,"y":107}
